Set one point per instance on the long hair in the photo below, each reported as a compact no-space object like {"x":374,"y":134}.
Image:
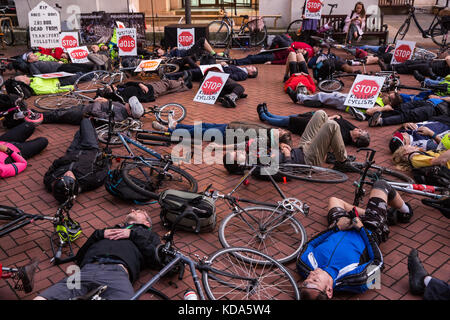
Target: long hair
{"x":363,"y":10}
{"x":400,"y":160}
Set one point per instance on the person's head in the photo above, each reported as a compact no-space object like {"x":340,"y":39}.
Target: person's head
{"x":212,"y":69}
{"x":159,"y":51}
{"x":399,"y":139}
{"x":234,"y":161}
{"x":136,"y":108}
{"x":401,"y":157}
{"x":23,"y":79}
{"x":64,"y":55}
{"x":360,"y":137}
{"x":252,"y":71}
{"x":139,"y":217}
{"x":393,"y":99}
{"x":283,"y":136}
{"x":359,"y":9}
{"x":104,"y":47}
{"x":95,"y":48}
{"x":31,"y":57}
{"x":65,"y":187}
{"x":317,"y":286}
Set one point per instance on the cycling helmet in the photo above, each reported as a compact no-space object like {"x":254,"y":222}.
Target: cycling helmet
{"x":64,"y":188}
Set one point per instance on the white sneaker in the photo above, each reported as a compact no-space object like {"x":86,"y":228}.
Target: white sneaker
{"x":172,"y":123}
{"x":158,"y":126}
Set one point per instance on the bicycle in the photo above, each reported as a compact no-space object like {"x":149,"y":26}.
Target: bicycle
{"x":437,"y":30}
{"x":7,"y":36}
{"x":222,"y":33}
{"x":20,"y":110}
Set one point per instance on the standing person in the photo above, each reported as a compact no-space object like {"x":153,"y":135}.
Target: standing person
{"x":309,"y":26}
{"x":355,"y":23}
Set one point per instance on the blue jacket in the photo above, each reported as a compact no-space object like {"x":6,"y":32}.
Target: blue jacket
{"x":350,"y":257}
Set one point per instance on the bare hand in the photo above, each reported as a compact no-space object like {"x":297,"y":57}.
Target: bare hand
{"x":357,"y":223}
{"x":3,"y":148}
{"x":143,"y":87}
{"x":268,"y":62}
{"x":285,"y":149}
{"x":117,"y":234}
{"x":336,"y":116}
{"x":410,"y":126}
{"x":425,"y":131}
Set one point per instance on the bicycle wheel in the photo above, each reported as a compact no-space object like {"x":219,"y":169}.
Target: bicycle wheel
{"x":59,"y":101}
{"x":8,"y":33}
{"x":152,"y":179}
{"x":178,"y":111}
{"x":331,"y":85}
{"x":377,"y":172}
{"x":273,"y":232}
{"x":219,"y":32}
{"x":126,"y":128}
{"x":312,"y":173}
{"x":227,"y":277}
{"x":402,"y":31}
{"x":257,"y":37}
{"x":439,"y":34}
{"x":294,"y":29}
{"x":167,"y":68}
{"x":92,"y":81}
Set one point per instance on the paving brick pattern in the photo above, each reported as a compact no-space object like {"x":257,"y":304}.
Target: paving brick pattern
{"x":428,"y":230}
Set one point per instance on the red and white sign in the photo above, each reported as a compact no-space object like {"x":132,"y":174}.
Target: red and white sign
{"x":403,"y":51}
{"x":313,"y":9}
{"x":148,"y":65}
{"x":205,"y":67}
{"x":185,"y":38}
{"x":211,"y":87}
{"x":54,"y":75}
{"x":69,"y":40}
{"x":364,"y":91}
{"x":127,"y":41}
{"x":79,"y":54}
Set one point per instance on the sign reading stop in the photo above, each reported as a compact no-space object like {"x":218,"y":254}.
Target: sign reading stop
{"x":148,"y":65}
{"x":78,"y":54}
{"x":185,"y":38}
{"x":364,"y":91}
{"x":69,"y":40}
{"x":127,"y":41}
{"x":403,"y":51}
{"x":211,"y":87}
{"x":313,"y":9}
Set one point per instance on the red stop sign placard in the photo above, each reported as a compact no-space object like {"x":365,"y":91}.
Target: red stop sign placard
{"x":186,"y":38}
{"x":365,"y":89}
{"x":212,"y":85}
{"x":127,"y":43}
{"x":69,"y":42}
{"x":79,"y":54}
{"x":313,"y":5}
{"x":402,"y":53}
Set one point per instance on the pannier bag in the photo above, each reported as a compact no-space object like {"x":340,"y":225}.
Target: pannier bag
{"x":117,"y":187}
{"x":175,"y":203}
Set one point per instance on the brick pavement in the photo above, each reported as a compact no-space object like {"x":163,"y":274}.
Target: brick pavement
{"x":428,"y":230}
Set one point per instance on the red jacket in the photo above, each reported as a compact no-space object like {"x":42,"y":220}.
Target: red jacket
{"x":294,"y":80}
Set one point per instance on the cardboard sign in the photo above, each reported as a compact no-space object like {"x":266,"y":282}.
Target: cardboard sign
{"x":211,"y":87}
{"x":69,"y":40}
{"x":79,"y":54}
{"x":127,"y":42}
{"x":148,"y":65}
{"x":45,"y":26}
{"x":313,"y":9}
{"x":205,"y":67}
{"x":364,"y":92}
{"x":185,"y":38}
{"x":403,"y":51}
{"x":54,"y":75}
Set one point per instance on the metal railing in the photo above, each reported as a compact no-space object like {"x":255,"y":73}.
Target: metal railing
{"x":395,"y":3}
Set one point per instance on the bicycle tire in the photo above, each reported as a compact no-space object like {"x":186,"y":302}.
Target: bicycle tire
{"x":244,"y":231}
{"x":140,"y":176}
{"x":9,"y":37}
{"x":225,"y":271}
{"x":439,"y":34}
{"x":293,"y":29}
{"x":163,"y":113}
{"x":311,"y":173}
{"x":59,"y":101}
{"x":384,"y":173}
{"x":124,"y":128}
{"x":403,"y":30}
{"x":257,"y":38}
{"x":219,"y":33}
{"x":167,"y":68}
{"x":331,"y":85}
{"x":92,"y":81}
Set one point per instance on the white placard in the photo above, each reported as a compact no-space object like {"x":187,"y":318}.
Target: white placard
{"x":403,"y":51}
{"x":364,"y":91}
{"x":205,"y":67}
{"x":69,"y":40}
{"x":148,"y":65}
{"x":54,"y":75}
{"x":313,"y":9}
{"x":45,"y":26}
{"x":79,"y":54}
{"x":211,"y":87}
{"x":127,"y":41}
{"x":185,"y":38}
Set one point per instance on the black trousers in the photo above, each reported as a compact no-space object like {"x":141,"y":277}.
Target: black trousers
{"x":437,"y":290}
{"x":18,"y":136}
{"x":408,"y":67}
{"x":232,"y":86}
{"x":72,"y":115}
{"x":76,"y":67}
{"x":415,"y":111}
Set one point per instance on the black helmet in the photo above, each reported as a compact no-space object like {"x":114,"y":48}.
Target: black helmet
{"x":64,"y":188}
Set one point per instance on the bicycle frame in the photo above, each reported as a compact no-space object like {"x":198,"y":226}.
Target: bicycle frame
{"x":412,"y":14}
{"x":125,"y":140}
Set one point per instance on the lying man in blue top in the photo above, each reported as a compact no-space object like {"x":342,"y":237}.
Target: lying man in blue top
{"x":346,"y":257}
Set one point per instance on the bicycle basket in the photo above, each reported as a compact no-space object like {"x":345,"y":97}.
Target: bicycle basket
{"x":256,"y":24}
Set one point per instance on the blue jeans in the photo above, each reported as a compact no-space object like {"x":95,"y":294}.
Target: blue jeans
{"x":275,"y":120}
{"x":429,"y":82}
{"x":255,"y":59}
{"x":204,"y":127}
{"x":373,"y":49}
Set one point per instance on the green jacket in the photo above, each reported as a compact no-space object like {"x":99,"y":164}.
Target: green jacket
{"x":48,"y":86}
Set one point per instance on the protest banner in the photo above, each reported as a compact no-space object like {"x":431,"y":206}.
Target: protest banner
{"x":45,"y":26}
{"x":364,"y":91}
{"x":211,"y":87}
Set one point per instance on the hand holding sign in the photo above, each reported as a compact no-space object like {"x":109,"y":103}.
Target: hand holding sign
{"x":313,"y":9}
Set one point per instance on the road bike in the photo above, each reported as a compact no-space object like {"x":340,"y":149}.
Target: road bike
{"x":7,"y":36}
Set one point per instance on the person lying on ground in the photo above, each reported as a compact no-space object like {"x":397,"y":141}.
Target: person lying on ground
{"x":351,"y":135}
{"x":343,"y":257}
{"x":200,"y":46}
{"x":408,"y":157}
{"x":41,"y":86}
{"x":113,"y":257}
{"x":41,"y":67}
{"x":426,"y":68}
{"x":15,"y":150}
{"x":81,"y":169}
{"x":295,"y":63}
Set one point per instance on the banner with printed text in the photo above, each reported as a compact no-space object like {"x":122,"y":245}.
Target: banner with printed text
{"x":45,"y":26}
{"x":69,"y":40}
{"x":185,"y":38}
{"x":313,"y":9}
{"x":211,"y":87}
{"x":403,"y":51}
{"x":127,"y":41}
{"x":364,"y":91}
{"x":79,"y":54}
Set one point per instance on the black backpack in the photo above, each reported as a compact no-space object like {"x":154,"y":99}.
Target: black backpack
{"x":11,"y":84}
{"x":435,"y":175}
{"x":324,"y":69}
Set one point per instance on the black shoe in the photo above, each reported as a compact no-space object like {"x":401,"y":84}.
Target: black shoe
{"x":418,"y":76}
{"x":346,"y":166}
{"x":312,"y":103}
{"x":375,"y":120}
{"x":431,"y":74}
{"x":384,"y":66}
{"x":266,"y":110}
{"x":392,"y":218}
{"x":417,"y":273}
{"x":260,"y":110}
{"x":187,"y":77}
{"x":292,"y":94}
{"x":229,"y":100}
{"x":286,"y":77}
{"x":405,"y":217}
{"x":331,"y":159}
